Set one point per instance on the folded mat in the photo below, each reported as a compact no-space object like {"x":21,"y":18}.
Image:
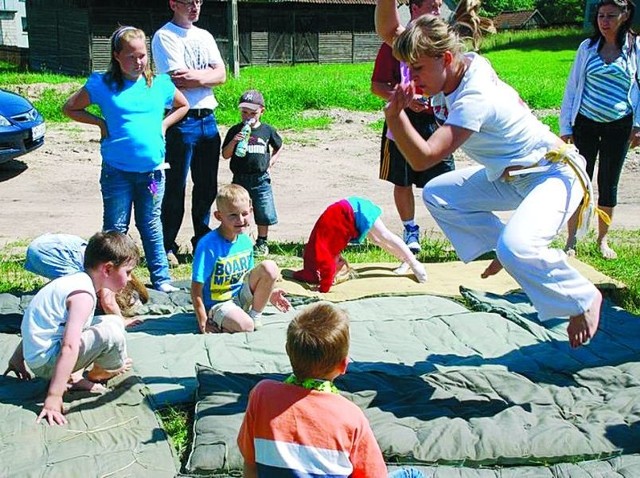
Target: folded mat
{"x":115,"y":434}
{"x":452,"y":390}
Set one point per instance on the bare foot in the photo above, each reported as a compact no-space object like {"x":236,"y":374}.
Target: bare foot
{"x":492,"y":269}
{"x":84,"y":385}
{"x":606,"y":251}
{"x":343,"y":275}
{"x":99,"y":374}
{"x":570,"y":247}
{"x":583,"y":327}
{"x":132,"y":322}
{"x":19,"y":367}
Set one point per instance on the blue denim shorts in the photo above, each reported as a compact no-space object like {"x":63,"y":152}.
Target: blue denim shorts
{"x":55,"y":255}
{"x":259,"y":187}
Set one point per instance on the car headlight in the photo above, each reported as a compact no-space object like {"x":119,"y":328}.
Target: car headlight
{"x":4,"y":121}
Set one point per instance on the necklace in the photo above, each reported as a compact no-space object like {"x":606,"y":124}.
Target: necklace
{"x":312,"y":384}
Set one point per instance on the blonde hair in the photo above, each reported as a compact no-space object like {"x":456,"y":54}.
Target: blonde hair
{"x":317,"y":340}
{"x":230,"y":193}
{"x":431,"y":36}
{"x":127,"y":298}
{"x":125,"y":34}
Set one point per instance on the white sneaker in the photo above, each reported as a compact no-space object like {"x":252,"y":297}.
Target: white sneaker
{"x":167,"y":288}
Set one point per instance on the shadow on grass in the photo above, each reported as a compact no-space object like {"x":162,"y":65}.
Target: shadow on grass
{"x":560,"y":42}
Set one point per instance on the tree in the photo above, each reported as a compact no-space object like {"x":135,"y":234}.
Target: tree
{"x":562,"y":11}
{"x":495,"y":7}
{"x":555,"y":11}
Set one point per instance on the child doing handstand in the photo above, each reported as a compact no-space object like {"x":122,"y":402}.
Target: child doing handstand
{"x":349,"y":220}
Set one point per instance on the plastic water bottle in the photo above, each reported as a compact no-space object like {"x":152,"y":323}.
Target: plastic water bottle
{"x":241,"y":147}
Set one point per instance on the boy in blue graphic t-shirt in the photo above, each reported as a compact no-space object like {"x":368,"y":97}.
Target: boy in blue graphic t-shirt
{"x":228,"y":292}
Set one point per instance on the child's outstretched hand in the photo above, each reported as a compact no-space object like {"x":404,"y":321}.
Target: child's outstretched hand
{"x":52,"y":411}
{"x":279,"y":301}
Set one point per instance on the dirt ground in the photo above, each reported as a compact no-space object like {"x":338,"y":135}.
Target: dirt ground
{"x":55,"y":189}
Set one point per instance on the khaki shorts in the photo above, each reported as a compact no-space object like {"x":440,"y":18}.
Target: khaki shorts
{"x":103,"y":343}
{"x":242,"y":300}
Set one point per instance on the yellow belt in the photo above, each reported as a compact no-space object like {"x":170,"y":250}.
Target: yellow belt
{"x":566,"y":154}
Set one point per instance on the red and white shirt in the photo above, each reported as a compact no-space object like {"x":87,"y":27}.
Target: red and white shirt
{"x":290,"y":431}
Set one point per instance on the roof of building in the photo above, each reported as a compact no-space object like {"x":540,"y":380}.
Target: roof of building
{"x":515,"y":19}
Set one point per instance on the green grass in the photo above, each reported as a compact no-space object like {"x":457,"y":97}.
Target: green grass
{"x":290,"y":91}
{"x":536,"y":64}
{"x":176,"y":422}
{"x":553,"y":122}
{"x":13,"y":278}
{"x":10,"y":75}
{"x":624,"y":269}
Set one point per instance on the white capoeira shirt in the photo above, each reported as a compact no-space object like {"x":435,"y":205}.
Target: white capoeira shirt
{"x":506,"y":133}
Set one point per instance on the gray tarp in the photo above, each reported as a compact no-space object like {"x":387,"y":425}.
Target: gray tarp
{"x":111,"y":435}
{"x":453,"y":389}
{"x":474,"y":393}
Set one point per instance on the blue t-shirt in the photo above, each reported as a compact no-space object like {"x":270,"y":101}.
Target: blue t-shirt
{"x":365,"y":213}
{"x":134,"y":120}
{"x":220,"y":265}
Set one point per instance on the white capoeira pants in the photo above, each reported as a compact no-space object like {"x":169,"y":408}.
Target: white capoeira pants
{"x":463,"y":203}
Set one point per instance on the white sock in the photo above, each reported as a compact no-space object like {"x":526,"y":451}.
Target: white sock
{"x":167,"y":287}
{"x":409,"y":223}
{"x":255,"y":315}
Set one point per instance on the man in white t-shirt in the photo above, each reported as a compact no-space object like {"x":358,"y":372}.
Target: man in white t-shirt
{"x":191,"y":56}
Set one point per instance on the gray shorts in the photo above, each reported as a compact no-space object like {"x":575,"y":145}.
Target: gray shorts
{"x":102,"y":343}
{"x":243,"y":300}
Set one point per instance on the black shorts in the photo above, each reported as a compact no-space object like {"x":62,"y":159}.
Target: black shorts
{"x":395,"y":169}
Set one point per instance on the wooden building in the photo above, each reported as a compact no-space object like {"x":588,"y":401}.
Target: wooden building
{"x":72,"y":36}
{"x":519,"y":20}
